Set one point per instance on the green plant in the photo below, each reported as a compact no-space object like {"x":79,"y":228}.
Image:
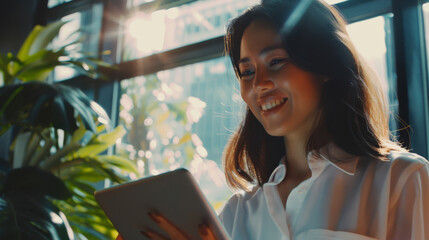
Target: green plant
{"x":26,"y":211}
{"x":37,"y":57}
{"x":60,"y":137}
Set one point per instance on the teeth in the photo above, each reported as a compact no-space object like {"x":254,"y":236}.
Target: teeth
{"x":268,"y":106}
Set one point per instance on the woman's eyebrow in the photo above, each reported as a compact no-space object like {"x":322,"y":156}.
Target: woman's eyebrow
{"x":244,"y":60}
{"x":262,"y":53}
{"x":269,"y":49}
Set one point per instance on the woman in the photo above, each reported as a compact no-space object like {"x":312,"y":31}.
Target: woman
{"x":315,"y":140}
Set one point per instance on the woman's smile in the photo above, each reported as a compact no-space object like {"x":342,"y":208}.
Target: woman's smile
{"x":272,"y":105}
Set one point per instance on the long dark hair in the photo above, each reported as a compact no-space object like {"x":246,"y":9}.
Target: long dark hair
{"x":354,"y":108}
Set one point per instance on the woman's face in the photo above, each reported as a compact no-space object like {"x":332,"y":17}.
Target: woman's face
{"x":283,"y":97}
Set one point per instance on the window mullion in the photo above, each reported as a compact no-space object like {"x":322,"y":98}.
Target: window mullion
{"x":411,"y":66}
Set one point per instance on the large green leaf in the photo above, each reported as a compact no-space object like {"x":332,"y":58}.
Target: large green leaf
{"x":14,"y":64}
{"x":25,"y":210}
{"x":119,"y":162}
{"x":7,"y":96}
{"x":80,"y":103}
{"x":82,"y":186}
{"x":27,"y":216}
{"x":4,"y":62}
{"x":82,"y":135}
{"x":35,"y":181}
{"x":45,"y":36}
{"x":64,"y":117}
{"x":36,"y":104}
{"x":104,"y":141}
{"x":37,"y":72}
{"x":94,"y":170}
{"x":40,"y":112}
{"x":56,"y":159}
{"x":89,"y":232}
{"x":24,"y":51}
{"x":38,"y":66}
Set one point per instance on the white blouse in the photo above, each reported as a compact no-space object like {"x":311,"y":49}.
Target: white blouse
{"x":361,"y":199}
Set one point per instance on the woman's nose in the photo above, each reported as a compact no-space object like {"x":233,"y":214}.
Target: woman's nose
{"x":263,"y":81}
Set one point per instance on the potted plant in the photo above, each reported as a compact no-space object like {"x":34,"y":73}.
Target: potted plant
{"x":60,"y":145}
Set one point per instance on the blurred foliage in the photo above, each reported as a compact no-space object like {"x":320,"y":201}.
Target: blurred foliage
{"x":79,"y":161}
{"x":38,"y":105}
{"x":37,"y":57}
{"x":61,"y":146}
{"x":81,"y":169}
{"x":159,"y":122}
{"x":26,"y":211}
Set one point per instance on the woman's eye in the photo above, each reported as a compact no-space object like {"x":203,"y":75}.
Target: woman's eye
{"x":278,"y":62}
{"x":246,"y":74}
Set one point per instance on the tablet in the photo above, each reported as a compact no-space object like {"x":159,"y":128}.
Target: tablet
{"x":174,"y":194}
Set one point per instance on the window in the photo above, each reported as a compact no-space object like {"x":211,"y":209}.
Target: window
{"x":84,"y":27}
{"x":332,"y":2}
{"x":426,"y":22}
{"x":373,"y":40}
{"x":178,"y":26}
{"x":183,"y":117}
{"x":53,"y":3}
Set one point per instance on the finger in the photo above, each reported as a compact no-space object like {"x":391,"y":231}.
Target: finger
{"x":119,"y":237}
{"x":206,"y":233}
{"x":168,"y":227}
{"x":153,"y":235}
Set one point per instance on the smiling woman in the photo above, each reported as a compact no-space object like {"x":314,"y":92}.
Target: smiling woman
{"x":315,"y":141}
{"x":313,"y":153}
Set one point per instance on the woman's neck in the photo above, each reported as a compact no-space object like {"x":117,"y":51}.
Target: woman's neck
{"x":296,"y":149}
{"x":296,"y":155}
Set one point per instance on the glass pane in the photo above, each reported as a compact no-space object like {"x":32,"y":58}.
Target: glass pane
{"x":53,"y":3}
{"x":426,"y":22}
{"x":84,"y":25}
{"x":148,"y":33}
{"x":373,"y":41}
{"x":332,"y":2}
{"x":182,"y":117}
{"x":133,"y":3}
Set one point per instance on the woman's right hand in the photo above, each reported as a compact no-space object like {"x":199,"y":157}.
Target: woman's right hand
{"x":174,"y":233}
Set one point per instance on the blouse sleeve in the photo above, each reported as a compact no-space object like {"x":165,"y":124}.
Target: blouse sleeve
{"x":409,"y":216}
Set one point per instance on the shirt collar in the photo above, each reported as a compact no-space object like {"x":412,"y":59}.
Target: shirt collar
{"x":339,"y":158}
{"x":279,"y":173}
{"x":330,"y":153}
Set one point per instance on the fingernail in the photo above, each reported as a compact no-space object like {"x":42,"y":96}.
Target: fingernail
{"x":145,"y":234}
{"x":154,"y":216}
{"x":203,"y":229}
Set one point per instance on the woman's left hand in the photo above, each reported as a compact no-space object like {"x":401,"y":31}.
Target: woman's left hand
{"x":174,"y":233}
